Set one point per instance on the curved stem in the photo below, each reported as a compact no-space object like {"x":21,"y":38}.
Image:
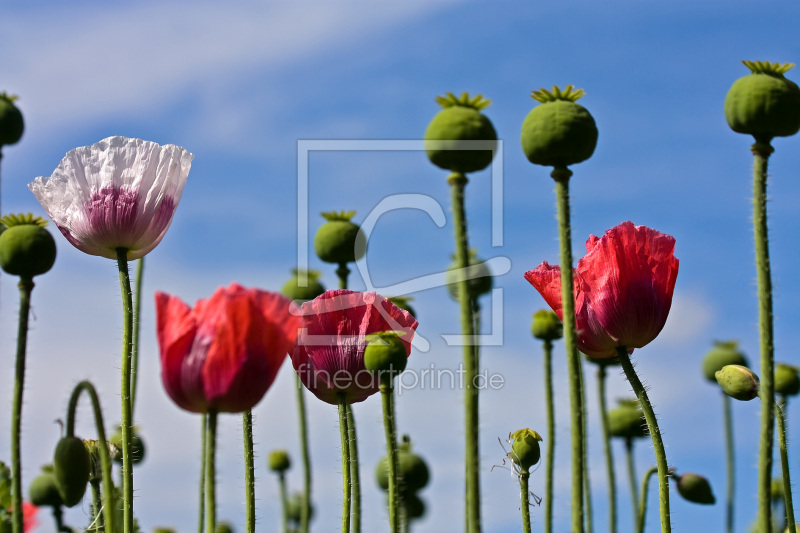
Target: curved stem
{"x":787,"y":485}
{"x":105,"y":458}
{"x":387,"y":397}
{"x":551,"y":434}
{"x":761,"y":152}
{"x":525,"y":502}
{"x":137,"y":309}
{"x":643,"y":503}
{"x":561,"y":177}
{"x":211,"y":481}
{"x":355,"y":475}
{"x":612,"y":481}
{"x":203,"y":448}
{"x":305,"y":510}
{"x":345,"y":464}
{"x":125,"y":390}
{"x":284,"y":502}
{"x":655,"y":434}
{"x":632,"y":479}
{"x":25,"y":288}
{"x":457,"y":183}
{"x":249,"y":472}
{"x":730,"y":462}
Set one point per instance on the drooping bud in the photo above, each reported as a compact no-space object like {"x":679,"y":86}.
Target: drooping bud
{"x":43,"y":490}
{"x":738,"y":382}
{"x":525,"y":449}
{"x":460,"y":120}
{"x":479,"y":277}
{"x":310,"y":288}
{"x":71,"y":467}
{"x":559,"y":132}
{"x":26,"y":248}
{"x":627,"y":421}
{"x":547,"y":326}
{"x":723,"y":353}
{"x":696,"y":489}
{"x":278,"y":461}
{"x":787,"y":380}
{"x":339,"y":240}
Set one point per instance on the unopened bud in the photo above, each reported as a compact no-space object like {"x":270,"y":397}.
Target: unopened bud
{"x":738,"y":382}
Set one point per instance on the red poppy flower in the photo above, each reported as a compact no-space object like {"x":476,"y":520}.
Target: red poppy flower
{"x":29,"y":520}
{"x":329,"y":354}
{"x":224,"y":353}
{"x":623,"y":288}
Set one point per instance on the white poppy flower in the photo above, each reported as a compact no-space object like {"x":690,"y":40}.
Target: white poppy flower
{"x":117,"y":193}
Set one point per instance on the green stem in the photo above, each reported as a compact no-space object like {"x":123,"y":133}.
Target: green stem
{"x":612,"y":482}
{"x":97,"y":505}
{"x":355,"y":475}
{"x":561,"y":177}
{"x":203,"y":448}
{"x":284,"y":502}
{"x":137,"y":309}
{"x":587,"y":485}
{"x":25,"y":289}
{"x":387,"y":396}
{"x":655,"y":434}
{"x":211,"y":481}
{"x":345,"y":464}
{"x":105,"y":458}
{"x":457,"y":183}
{"x":632,"y":478}
{"x":787,"y":485}
{"x":730,"y":462}
{"x":125,"y":390}
{"x":525,"y":504}
{"x":551,"y":434}
{"x":643,"y":502}
{"x":249,"y":472}
{"x":761,"y":152}
{"x":342,"y":272}
{"x":305,"y":511}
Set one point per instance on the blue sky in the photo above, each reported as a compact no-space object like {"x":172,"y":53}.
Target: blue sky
{"x":239,"y":86}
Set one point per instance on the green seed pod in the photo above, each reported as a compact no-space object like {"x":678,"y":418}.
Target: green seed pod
{"x":787,"y":380}
{"x":402,"y":303}
{"x":311,"y":289}
{"x":385,"y":354}
{"x":26,"y":248}
{"x":339,"y":240}
{"x":71,"y":467}
{"x":776,"y":490}
{"x":43,"y":490}
{"x":559,"y":132}
{"x":294,"y":507}
{"x":723,"y":353}
{"x":738,"y":382}
{"x":412,"y":470}
{"x":547,"y":326}
{"x":627,"y":421}
{"x":11,"y":123}
{"x":278,"y":461}
{"x":764,"y":104}
{"x":460,"y":120}
{"x":164,"y":530}
{"x":525,"y":449}
{"x":695,"y":489}
{"x":479,"y":277}
{"x":137,"y":446}
{"x":414,"y":506}
{"x":224,"y":527}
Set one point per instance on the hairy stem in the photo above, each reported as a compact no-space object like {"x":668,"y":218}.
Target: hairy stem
{"x":125,"y":390}
{"x":387,"y":396}
{"x":25,"y":289}
{"x":249,"y":472}
{"x":612,"y":481}
{"x":343,"y":432}
{"x":211,"y":473}
{"x":137,"y":310}
{"x":643,"y":502}
{"x":787,"y":485}
{"x":203,"y":448}
{"x":355,"y":474}
{"x":525,"y":502}
{"x":551,"y":434}
{"x":761,"y":153}
{"x":730,"y":462}
{"x":305,"y":510}
{"x":284,"y":502}
{"x":632,"y":478}
{"x":655,"y":435}
{"x":561,"y":177}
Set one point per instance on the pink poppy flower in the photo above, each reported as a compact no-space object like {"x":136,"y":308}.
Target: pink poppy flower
{"x":329,"y":354}
{"x":117,"y":193}
{"x":623,"y":288}
{"x":225,"y":353}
